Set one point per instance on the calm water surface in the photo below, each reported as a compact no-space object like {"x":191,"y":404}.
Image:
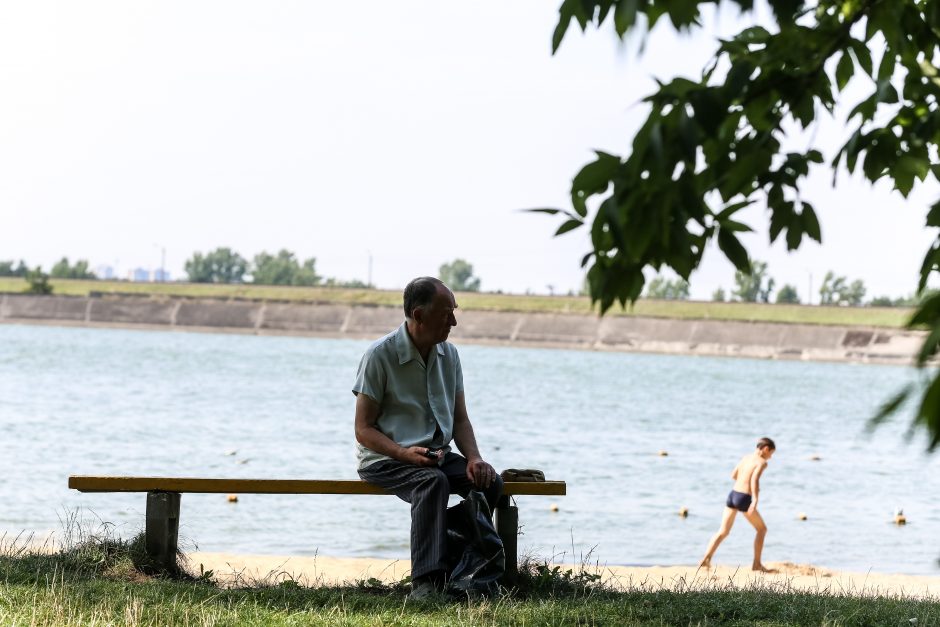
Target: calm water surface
{"x":93,"y":401}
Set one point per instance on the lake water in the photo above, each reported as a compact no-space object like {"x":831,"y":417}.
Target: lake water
{"x":102,"y":401}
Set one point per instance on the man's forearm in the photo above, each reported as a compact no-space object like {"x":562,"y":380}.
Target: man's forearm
{"x":466,"y":441}
{"x":375,"y":440}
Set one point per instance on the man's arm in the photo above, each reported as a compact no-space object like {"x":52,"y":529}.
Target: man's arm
{"x":478,"y":471}
{"x":368,"y":435}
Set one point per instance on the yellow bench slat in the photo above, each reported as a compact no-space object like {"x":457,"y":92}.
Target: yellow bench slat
{"x":87,"y":483}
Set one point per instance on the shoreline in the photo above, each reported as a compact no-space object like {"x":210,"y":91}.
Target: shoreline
{"x":238,"y":570}
{"x":771,"y":340}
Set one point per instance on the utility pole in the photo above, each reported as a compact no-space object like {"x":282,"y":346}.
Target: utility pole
{"x":369,"y":281}
{"x":162,"y":275}
{"x":809,"y":295}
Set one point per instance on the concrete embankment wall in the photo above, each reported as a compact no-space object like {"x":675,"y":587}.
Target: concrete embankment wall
{"x":617,"y":333}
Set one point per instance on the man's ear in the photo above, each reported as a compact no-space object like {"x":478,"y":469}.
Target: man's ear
{"x":417,"y":314}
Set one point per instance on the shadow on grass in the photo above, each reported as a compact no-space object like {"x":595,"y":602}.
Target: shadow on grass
{"x":97,"y":577}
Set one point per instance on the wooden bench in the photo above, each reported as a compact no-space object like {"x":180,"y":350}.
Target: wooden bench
{"x":163,"y":504}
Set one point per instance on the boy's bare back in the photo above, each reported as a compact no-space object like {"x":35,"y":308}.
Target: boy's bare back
{"x":750,"y":467}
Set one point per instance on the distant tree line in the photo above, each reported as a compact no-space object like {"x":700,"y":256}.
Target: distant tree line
{"x":61,"y":270}
{"x":223,"y":265}
{"x":757,"y":286}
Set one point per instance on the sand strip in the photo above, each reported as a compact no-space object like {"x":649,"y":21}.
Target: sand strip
{"x":322,"y":570}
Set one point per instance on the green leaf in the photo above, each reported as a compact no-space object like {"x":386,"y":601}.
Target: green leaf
{"x":928,"y":415}
{"x":737,"y":227}
{"x":794,"y":232}
{"x":886,"y":67}
{"x":890,"y":407}
{"x":754,"y":35}
{"x":625,"y":16}
{"x":933,"y":216}
{"x":594,"y":178}
{"x":929,"y":348}
{"x":551,"y":212}
{"x":710,"y":109}
{"x":862,"y":56}
{"x":844,"y":70}
{"x":733,"y":250}
{"x":865,"y":108}
{"x":733,"y":208}
{"x":565,"y":14}
{"x":931,"y":262}
{"x":568,"y":225}
{"x":781,"y":213}
{"x":810,"y":222}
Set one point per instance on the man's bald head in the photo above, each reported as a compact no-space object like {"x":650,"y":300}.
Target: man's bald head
{"x":420,"y":293}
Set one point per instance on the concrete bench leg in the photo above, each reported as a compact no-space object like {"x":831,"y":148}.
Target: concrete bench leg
{"x":507,"y":526}
{"x":162,"y":529}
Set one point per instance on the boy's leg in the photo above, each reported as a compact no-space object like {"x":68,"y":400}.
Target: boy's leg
{"x":761,"y":528}
{"x":727,"y":520}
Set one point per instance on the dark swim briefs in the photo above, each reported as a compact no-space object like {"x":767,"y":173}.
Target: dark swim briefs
{"x":738,"y":501}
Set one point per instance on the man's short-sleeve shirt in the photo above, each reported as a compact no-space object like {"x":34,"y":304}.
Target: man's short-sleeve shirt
{"x":416,"y":400}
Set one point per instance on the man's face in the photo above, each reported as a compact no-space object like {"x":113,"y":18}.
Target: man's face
{"x":438,"y":317}
{"x":767,"y":452}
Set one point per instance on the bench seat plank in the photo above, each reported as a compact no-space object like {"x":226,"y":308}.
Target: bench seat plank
{"x":88,"y":483}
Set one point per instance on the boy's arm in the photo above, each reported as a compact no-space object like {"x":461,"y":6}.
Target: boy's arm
{"x":755,"y":485}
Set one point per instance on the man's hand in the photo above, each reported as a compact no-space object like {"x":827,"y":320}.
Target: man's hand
{"x":480,"y":473}
{"x":752,"y":508}
{"x":416,"y":455}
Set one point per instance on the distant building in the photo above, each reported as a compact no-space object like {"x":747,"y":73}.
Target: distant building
{"x":104,"y":272}
{"x":161,"y":276}
{"x":139,"y":275}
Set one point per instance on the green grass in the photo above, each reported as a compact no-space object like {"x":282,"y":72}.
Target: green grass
{"x":95,"y":582}
{"x":865,"y":316}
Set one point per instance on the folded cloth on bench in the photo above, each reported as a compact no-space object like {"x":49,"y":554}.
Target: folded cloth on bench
{"x":522,"y":474}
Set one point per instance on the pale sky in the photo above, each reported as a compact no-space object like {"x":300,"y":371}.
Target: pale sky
{"x":411,"y":131}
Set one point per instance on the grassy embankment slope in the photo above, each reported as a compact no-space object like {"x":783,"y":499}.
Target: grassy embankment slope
{"x":755,"y":312}
{"x":97,"y":584}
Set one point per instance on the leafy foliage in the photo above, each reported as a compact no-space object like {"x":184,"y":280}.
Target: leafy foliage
{"x":711,"y":146}
{"x":8,"y":269}
{"x":836,"y":290}
{"x":754,"y":286}
{"x":719,"y":295}
{"x":283,"y":269}
{"x":665,"y":289}
{"x":458,"y":275}
{"x":63,"y":270}
{"x":350,"y":284}
{"x":788,"y":294}
{"x":887,"y":301}
{"x":221,"y":265}
{"x":38,"y":282}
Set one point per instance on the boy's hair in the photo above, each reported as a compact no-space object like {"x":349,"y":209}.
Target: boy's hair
{"x":766,"y":442}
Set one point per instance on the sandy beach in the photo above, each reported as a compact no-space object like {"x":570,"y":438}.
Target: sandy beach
{"x":323,"y":570}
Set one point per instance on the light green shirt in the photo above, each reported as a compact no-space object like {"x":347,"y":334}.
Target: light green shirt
{"x":415,"y":399}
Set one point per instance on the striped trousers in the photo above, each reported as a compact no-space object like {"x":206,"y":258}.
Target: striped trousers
{"x":427,"y":489}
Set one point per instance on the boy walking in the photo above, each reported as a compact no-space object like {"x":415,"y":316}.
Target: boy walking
{"x":743,"y":498}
